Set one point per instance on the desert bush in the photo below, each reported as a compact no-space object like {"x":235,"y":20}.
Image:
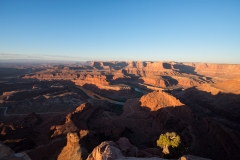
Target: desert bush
{"x":168,"y":139}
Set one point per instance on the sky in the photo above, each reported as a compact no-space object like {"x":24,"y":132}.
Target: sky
{"x":141,"y":30}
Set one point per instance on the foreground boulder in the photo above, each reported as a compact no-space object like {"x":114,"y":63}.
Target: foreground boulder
{"x":109,"y":150}
{"x":7,"y":153}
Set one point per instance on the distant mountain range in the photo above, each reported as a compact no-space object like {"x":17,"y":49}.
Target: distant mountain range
{"x":8,"y":57}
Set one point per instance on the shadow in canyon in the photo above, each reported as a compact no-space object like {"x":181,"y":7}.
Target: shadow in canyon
{"x":127,"y":74}
{"x":167,"y":66}
{"x":115,"y":66}
{"x":221,"y":105}
{"x":185,"y":69}
{"x":21,"y":84}
{"x":16,"y":72}
{"x":170,"y":81}
{"x":201,"y":135}
{"x":98,"y":65}
{"x":124,"y":80}
{"x":143,"y":134}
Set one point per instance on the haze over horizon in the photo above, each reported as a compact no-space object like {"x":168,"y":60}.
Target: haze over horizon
{"x":184,"y":31}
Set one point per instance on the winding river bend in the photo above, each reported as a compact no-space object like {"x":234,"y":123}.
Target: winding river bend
{"x":97,"y":96}
{"x":94,"y":95}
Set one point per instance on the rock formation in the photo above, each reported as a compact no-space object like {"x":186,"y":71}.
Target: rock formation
{"x":72,"y":150}
{"x":156,"y":100}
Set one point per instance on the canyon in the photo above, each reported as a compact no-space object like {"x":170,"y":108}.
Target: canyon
{"x":117,"y":110}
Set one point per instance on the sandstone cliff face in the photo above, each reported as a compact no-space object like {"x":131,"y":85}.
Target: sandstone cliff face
{"x":159,"y":74}
{"x":172,"y":81}
{"x":91,"y":79}
{"x":114,"y":65}
{"x":218,"y":70}
{"x":175,"y":68}
{"x":149,"y":68}
{"x":157,"y":65}
{"x":155,"y":81}
{"x":149,"y":65}
{"x":72,"y":150}
{"x":188,"y":81}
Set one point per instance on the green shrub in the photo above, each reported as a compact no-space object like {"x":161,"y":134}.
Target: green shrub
{"x":168,"y":139}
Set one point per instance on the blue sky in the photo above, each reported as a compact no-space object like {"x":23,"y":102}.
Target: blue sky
{"x":151,"y":30}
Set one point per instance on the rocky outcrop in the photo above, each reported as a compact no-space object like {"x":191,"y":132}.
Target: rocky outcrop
{"x":75,"y":121}
{"x":72,"y":150}
{"x":160,"y":100}
{"x":156,"y":100}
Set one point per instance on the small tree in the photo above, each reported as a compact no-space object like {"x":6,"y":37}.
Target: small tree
{"x":168,"y":139}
